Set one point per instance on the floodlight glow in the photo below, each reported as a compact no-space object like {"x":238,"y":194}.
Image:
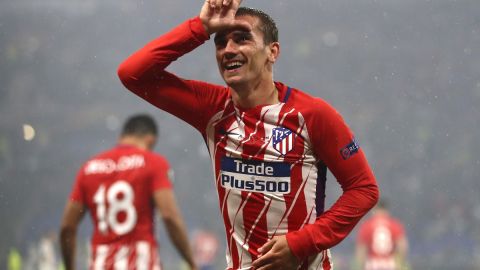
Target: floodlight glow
{"x":28,"y":132}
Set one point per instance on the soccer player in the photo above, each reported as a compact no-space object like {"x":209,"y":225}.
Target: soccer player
{"x":270,"y":144}
{"x":381,"y":243}
{"x":120,"y":188}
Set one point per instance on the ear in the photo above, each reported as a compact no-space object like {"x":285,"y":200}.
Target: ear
{"x":274,"y":52}
{"x":150,"y":141}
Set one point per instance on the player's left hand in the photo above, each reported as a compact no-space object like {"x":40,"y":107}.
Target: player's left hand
{"x":276,"y":255}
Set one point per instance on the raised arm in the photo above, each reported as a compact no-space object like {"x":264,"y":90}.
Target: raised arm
{"x":144,"y":73}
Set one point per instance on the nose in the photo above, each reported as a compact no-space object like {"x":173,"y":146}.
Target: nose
{"x":231,"y":49}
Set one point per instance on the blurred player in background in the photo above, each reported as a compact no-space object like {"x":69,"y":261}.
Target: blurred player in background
{"x":205,"y":246}
{"x":270,"y":144}
{"x":381,"y":242}
{"x":120,"y":188}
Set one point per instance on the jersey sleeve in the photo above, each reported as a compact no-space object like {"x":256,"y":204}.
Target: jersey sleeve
{"x":161,"y":176}
{"x":144,"y":74}
{"x":399,"y":230}
{"x":335,"y":146}
{"x":78,"y":191}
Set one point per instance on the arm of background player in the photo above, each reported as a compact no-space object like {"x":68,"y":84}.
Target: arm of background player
{"x":72,"y":216}
{"x":170,"y":214}
{"x":360,"y":256}
{"x":401,"y":253}
{"x":360,"y":191}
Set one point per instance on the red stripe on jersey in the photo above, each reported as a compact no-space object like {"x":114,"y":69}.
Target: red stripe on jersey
{"x":296,"y":198}
{"x":326,"y":261}
{"x":256,"y":229}
{"x":110,"y":260}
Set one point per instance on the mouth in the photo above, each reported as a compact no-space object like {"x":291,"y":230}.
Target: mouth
{"x":233,"y":66}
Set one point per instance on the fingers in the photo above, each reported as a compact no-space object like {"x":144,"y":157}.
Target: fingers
{"x":235,"y":4}
{"x":221,"y":4}
{"x":218,"y":4}
{"x":266,"y":256}
{"x":266,"y":247}
{"x":263,"y":261}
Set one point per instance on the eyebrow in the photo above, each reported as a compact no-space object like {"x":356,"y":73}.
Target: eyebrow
{"x":221,"y":36}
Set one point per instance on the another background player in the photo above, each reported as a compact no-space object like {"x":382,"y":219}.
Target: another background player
{"x":120,"y":188}
{"x":381,"y":243}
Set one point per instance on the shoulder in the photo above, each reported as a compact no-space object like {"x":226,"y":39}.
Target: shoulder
{"x":156,"y":159}
{"x":396,"y":223}
{"x":312,"y":107}
{"x":208,"y":88}
{"x":212,"y":94}
{"x":107,"y":154}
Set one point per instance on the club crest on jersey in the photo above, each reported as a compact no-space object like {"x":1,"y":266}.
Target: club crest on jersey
{"x":283,"y":140}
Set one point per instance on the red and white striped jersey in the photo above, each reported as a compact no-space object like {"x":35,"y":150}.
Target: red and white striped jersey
{"x":381,"y":235}
{"x":117,"y":188}
{"x":269,"y":161}
{"x":140,"y":255}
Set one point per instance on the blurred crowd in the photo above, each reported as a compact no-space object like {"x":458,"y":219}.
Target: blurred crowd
{"x":403,"y":73}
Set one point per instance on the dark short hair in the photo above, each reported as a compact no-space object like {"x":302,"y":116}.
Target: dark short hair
{"x":268,"y":25}
{"x":140,"y":125}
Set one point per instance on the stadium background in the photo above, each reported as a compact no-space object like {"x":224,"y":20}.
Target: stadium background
{"x":404,"y":74}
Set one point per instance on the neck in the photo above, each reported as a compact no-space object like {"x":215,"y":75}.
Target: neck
{"x":381,"y":212}
{"x":248,"y":96}
{"x":133,"y":141}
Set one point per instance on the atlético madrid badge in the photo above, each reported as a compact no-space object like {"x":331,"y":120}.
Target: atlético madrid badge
{"x":283,"y":140}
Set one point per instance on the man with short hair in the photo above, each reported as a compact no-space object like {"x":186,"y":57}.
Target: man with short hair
{"x":270,"y":144}
{"x":120,"y":188}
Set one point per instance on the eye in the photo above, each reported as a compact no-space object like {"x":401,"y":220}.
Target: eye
{"x":242,"y":38}
{"x":220,"y":43}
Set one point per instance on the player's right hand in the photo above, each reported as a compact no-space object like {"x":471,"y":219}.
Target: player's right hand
{"x":218,"y":15}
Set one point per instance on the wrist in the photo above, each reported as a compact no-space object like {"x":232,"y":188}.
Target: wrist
{"x":206,"y":29}
{"x":204,"y":25}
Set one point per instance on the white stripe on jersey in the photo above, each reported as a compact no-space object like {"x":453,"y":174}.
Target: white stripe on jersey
{"x":101,"y":253}
{"x":121,"y":258}
{"x":140,"y":256}
{"x":143,"y":255}
{"x":235,"y":207}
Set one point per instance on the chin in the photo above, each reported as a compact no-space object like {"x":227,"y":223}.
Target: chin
{"x":233,"y":81}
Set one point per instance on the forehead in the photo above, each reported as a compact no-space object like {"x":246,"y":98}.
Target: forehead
{"x":254,"y":25}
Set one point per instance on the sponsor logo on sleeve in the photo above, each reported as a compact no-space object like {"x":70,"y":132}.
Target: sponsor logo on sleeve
{"x":350,"y":150}
{"x":255,"y":176}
